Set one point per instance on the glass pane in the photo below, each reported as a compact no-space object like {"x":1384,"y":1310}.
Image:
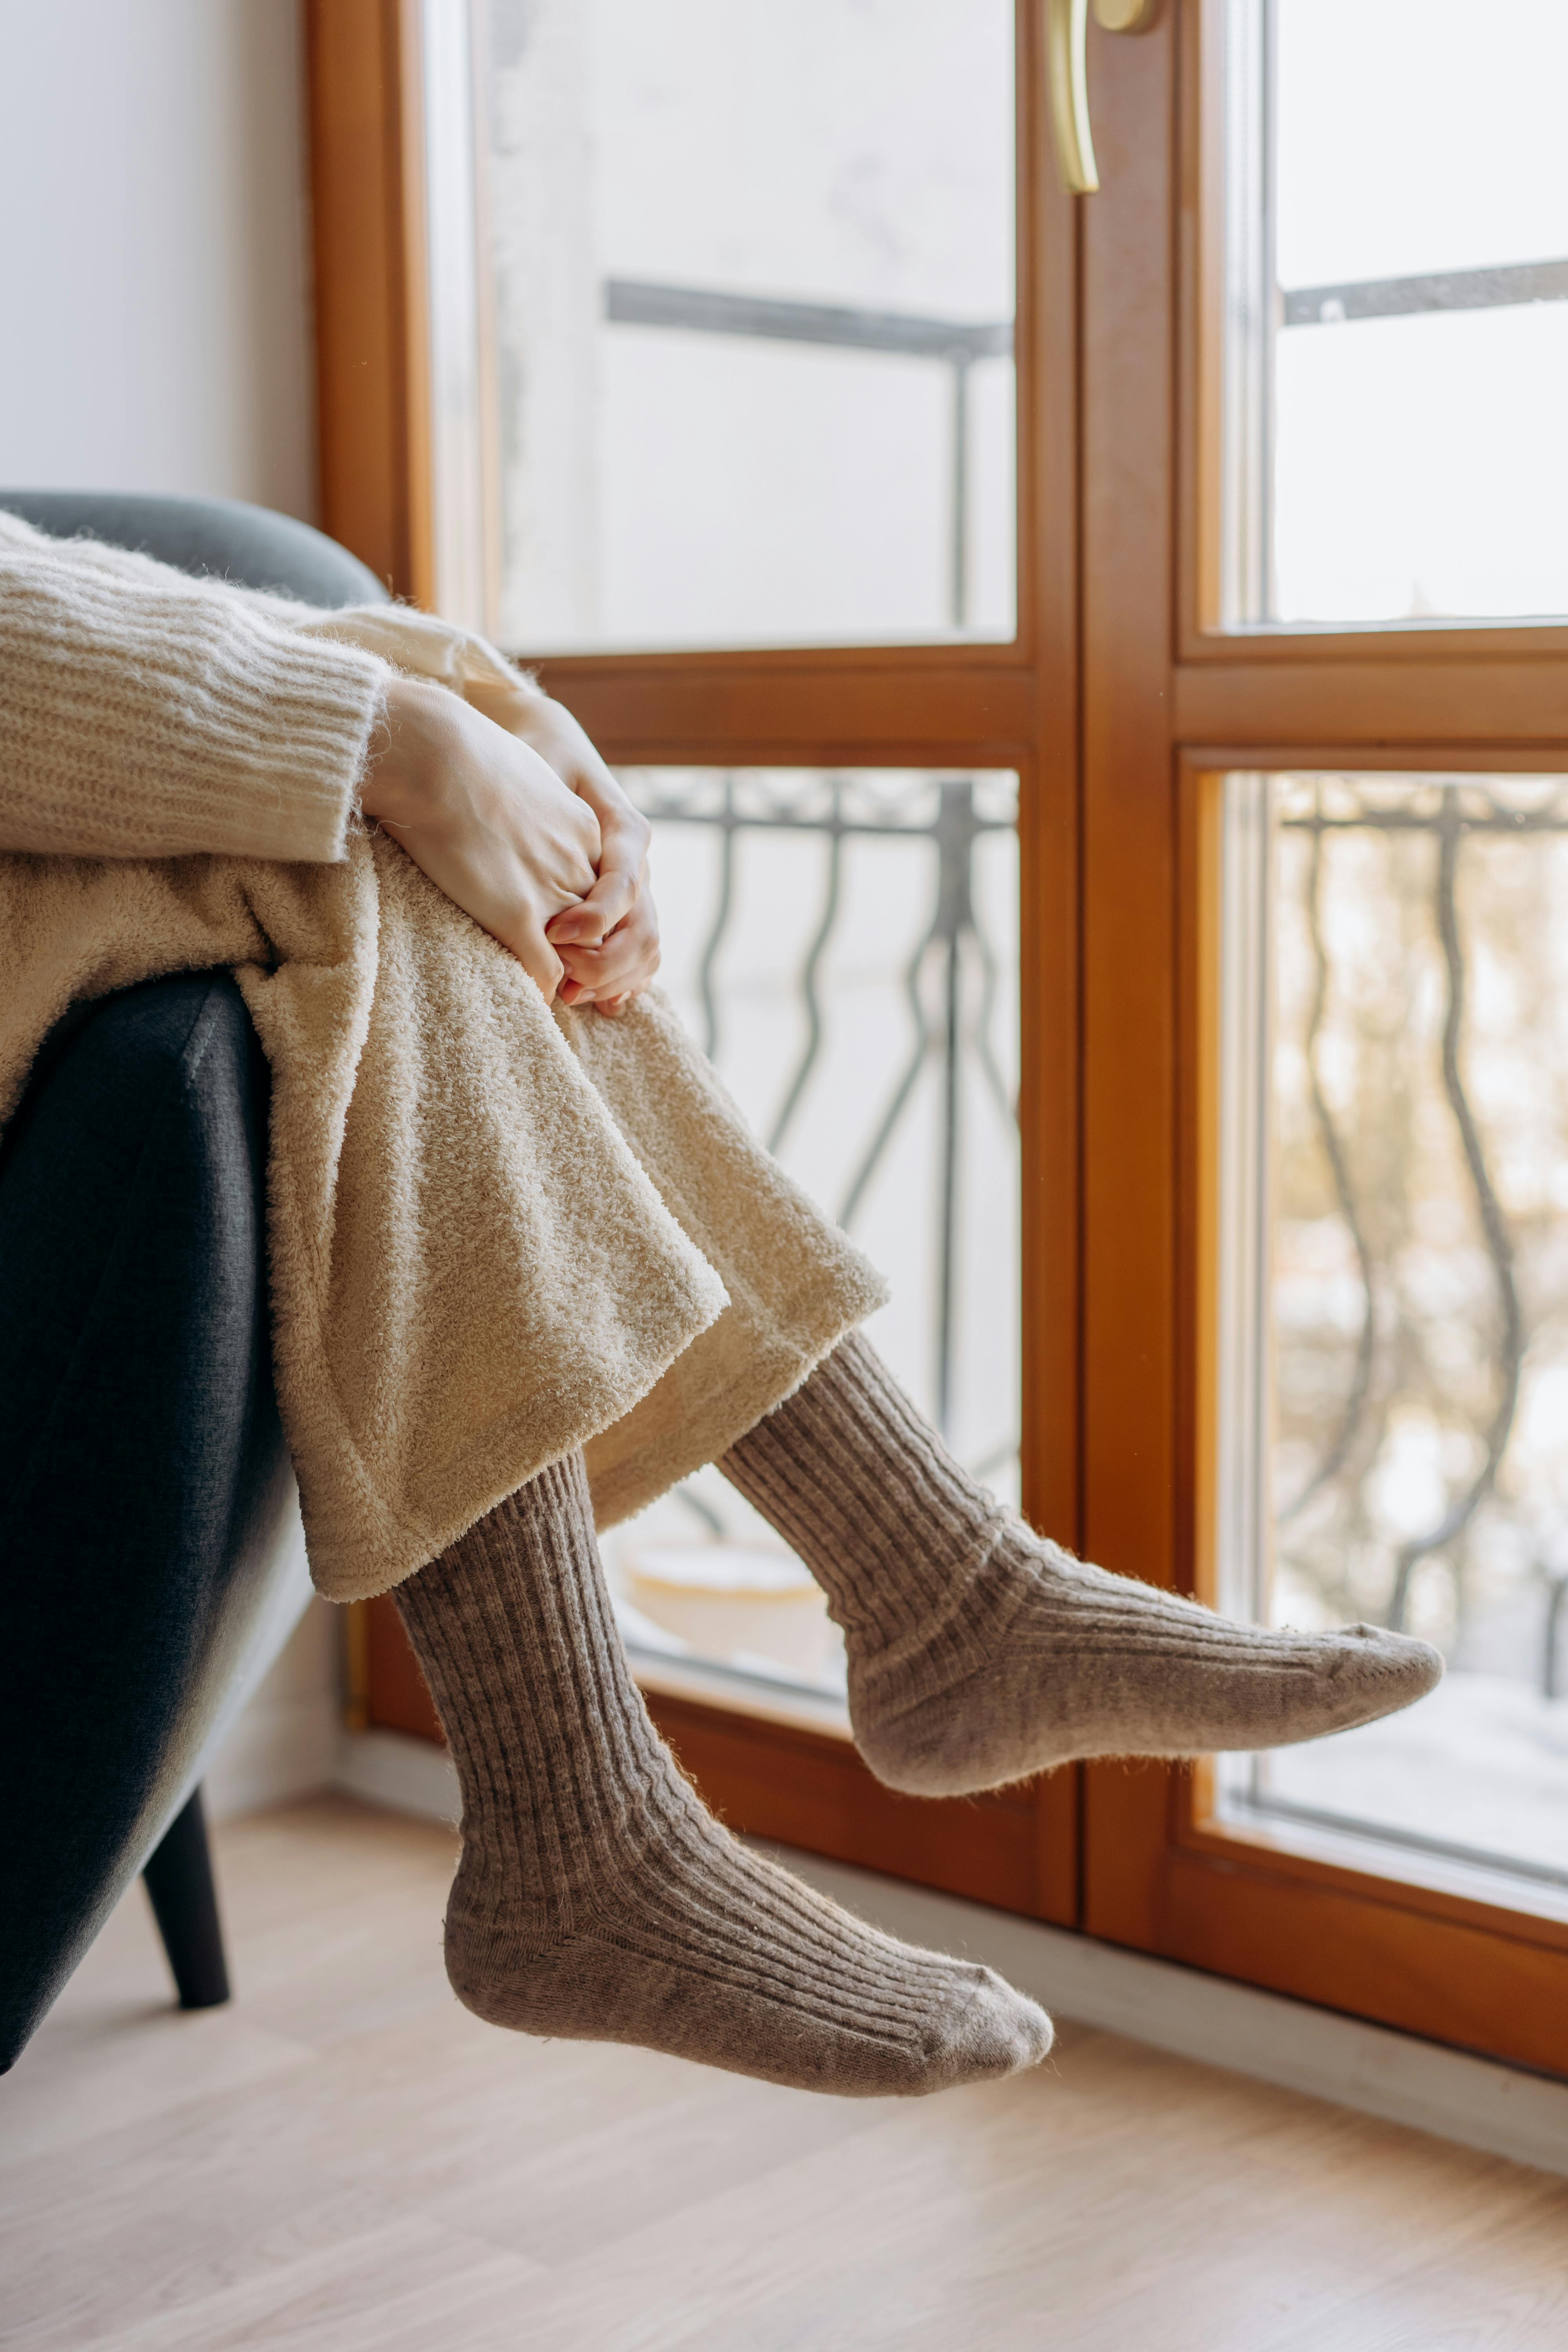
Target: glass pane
{"x":749,"y":275}
{"x":1397,"y":312}
{"x":845,"y":946}
{"x":1394,"y":1286}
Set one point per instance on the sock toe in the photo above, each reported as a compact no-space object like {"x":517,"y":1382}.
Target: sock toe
{"x":1002,"y":2031}
{"x":1382,"y":1672}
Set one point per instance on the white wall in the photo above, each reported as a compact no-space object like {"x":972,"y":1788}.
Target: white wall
{"x":154,"y":277}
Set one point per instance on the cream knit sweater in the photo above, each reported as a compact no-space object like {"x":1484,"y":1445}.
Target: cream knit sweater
{"x":497,"y":1230}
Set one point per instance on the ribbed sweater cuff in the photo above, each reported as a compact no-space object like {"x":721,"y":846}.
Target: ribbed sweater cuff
{"x":138,"y":722}
{"x":289,"y":790}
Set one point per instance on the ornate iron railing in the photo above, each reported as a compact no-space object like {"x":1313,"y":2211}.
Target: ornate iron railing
{"x":953,"y":1042}
{"x":1461,"y":811}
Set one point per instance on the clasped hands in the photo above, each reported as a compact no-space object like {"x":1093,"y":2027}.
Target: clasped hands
{"x":518,"y":821}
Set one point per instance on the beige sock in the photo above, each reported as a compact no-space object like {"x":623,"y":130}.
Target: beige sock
{"x":597,"y":1900}
{"x":980,"y":1653}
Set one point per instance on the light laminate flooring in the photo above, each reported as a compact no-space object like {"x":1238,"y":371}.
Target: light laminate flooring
{"x":344,"y":2161}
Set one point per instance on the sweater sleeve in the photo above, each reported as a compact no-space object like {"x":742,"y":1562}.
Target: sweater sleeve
{"x":421,"y":646}
{"x":146,"y":714}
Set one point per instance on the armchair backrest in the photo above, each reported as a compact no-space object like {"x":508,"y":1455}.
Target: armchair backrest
{"x":222,"y":537}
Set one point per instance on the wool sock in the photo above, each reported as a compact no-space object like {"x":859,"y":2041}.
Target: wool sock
{"x":596,"y":1898}
{"x":980,"y":1653}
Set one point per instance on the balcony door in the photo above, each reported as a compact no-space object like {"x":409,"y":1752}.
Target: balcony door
{"x":719,"y":361}
{"x":1097,"y":666}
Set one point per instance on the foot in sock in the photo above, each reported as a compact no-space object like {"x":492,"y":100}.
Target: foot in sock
{"x":979,"y":1652}
{"x":597,"y":1900}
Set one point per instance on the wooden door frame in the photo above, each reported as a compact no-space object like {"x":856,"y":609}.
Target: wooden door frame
{"x":1012,"y":706}
{"x":1168,"y":707}
{"x":372,"y":405}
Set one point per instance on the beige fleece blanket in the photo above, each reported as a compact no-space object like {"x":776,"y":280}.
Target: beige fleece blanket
{"x":497,"y":1232}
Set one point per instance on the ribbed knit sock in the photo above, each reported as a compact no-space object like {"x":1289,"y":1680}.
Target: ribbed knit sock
{"x":597,"y":1900}
{"x":980,"y":1653}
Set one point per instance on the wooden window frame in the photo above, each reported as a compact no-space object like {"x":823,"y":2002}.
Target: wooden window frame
{"x":1238,"y":1899}
{"x":988,"y":705}
{"x":1170,"y":703}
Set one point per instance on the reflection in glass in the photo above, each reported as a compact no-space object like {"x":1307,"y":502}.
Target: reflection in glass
{"x":1395,"y":1284}
{"x":1396,"y":361}
{"x":845,"y":947}
{"x":749,"y":284}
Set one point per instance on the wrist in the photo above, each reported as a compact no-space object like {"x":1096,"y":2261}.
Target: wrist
{"x":402,"y":782}
{"x":510,"y":698}
{"x":546,"y":728}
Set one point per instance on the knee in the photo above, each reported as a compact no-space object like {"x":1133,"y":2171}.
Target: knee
{"x":133,"y":1173}
{"x":171,"y":1066}
{"x":180,"y":1048}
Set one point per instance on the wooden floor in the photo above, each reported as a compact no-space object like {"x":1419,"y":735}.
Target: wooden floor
{"x":343,"y":2158}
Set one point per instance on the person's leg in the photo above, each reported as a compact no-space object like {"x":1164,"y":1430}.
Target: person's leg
{"x":140,"y":1450}
{"x":597,"y":1900}
{"x":980,"y":1653}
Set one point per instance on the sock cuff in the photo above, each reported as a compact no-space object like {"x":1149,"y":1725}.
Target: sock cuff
{"x":850,"y":1475}
{"x":557,"y":1759}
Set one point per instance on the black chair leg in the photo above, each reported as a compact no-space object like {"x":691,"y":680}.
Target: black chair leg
{"x":179,"y":1875}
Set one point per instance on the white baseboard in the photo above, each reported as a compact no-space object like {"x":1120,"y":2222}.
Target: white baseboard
{"x":1379,"y":2072}
{"x":407,"y":1776}
{"x":279,"y":1748}
{"x":1391,"y":2076}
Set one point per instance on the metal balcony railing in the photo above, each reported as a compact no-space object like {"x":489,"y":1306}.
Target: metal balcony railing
{"x":1465,"y":813}
{"x":951,"y":1028}
{"x":954,"y":343}
{"x":1408,"y":297}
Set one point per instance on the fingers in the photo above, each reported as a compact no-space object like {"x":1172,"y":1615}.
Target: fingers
{"x":596,"y":983}
{"x":609,"y":970}
{"x":606,"y":905}
{"x":598,"y":979}
{"x":627,"y":960}
{"x":577,"y":927}
{"x":584,"y":1002}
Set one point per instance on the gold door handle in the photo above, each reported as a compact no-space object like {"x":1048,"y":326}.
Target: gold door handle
{"x":1067,"y":44}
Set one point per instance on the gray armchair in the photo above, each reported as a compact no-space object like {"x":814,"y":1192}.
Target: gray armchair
{"x":151,"y":1560}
